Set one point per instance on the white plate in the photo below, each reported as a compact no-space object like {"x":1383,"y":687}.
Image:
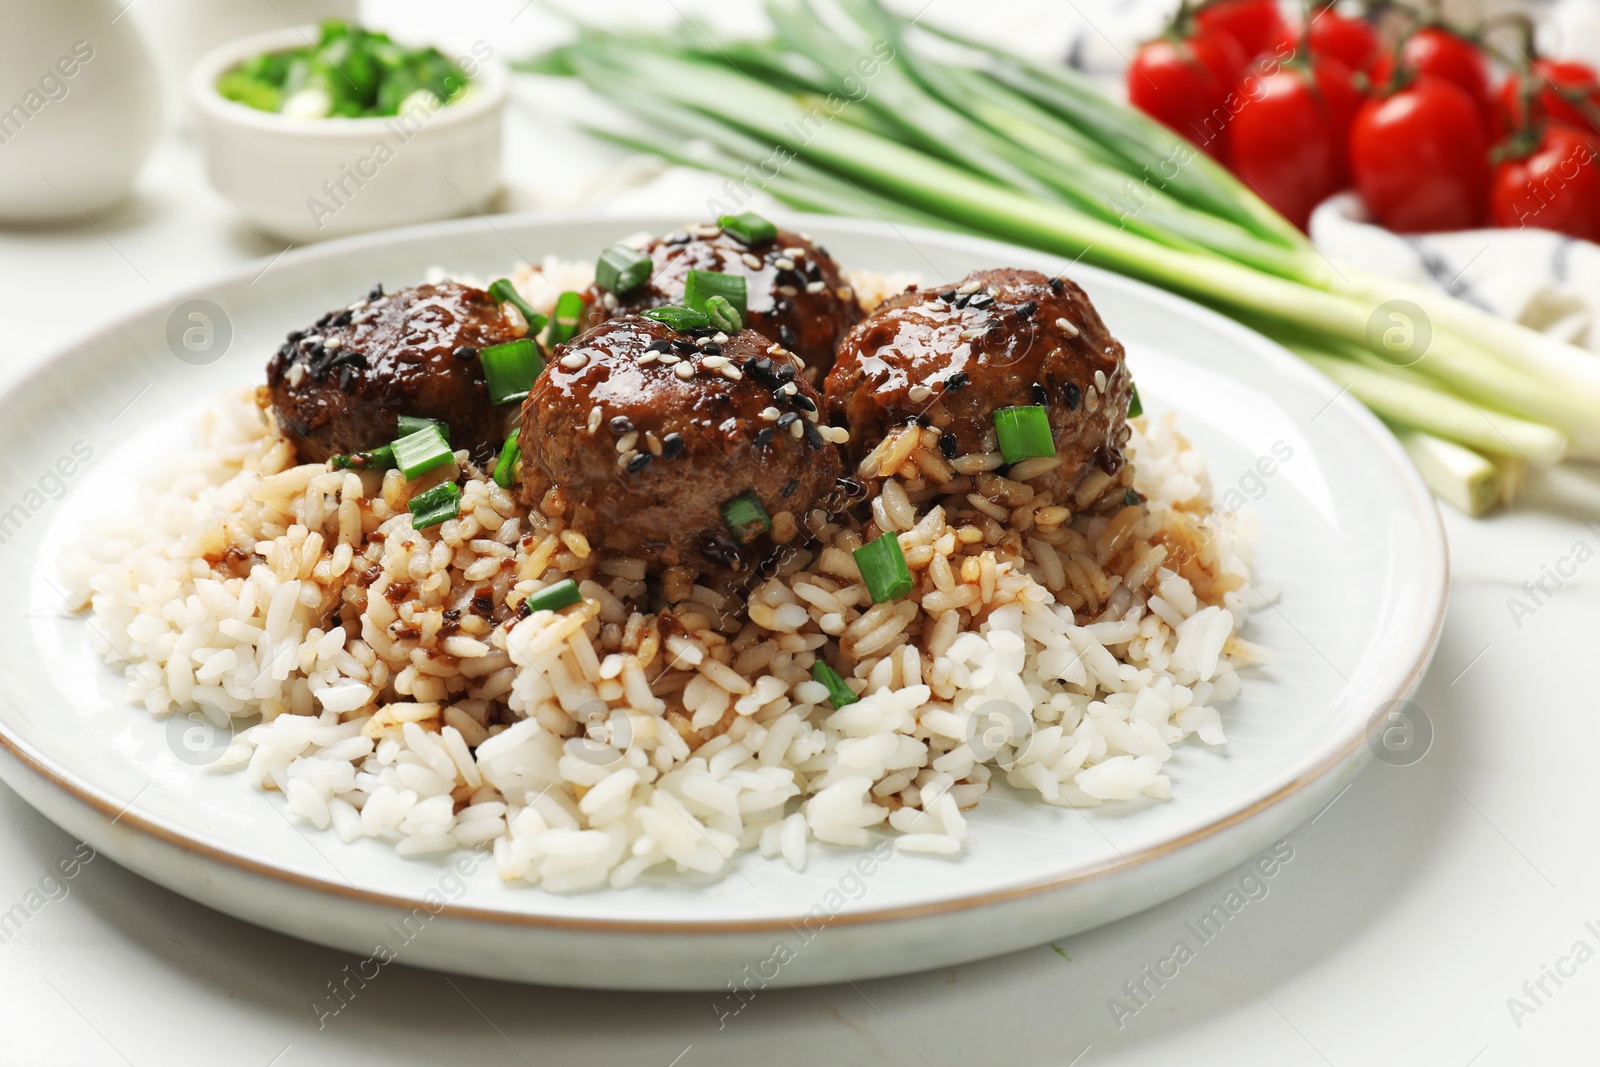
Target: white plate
{"x":1350,"y":540}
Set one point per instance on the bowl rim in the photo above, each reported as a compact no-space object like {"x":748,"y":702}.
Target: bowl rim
{"x":1351,"y":745}
{"x":492,"y":81}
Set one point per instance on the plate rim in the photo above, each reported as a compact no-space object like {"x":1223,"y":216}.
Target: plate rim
{"x":1430,"y":528}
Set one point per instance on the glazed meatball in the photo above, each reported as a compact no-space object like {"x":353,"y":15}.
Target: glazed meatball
{"x":342,"y":385}
{"x":639,"y":435}
{"x":794,"y":292}
{"x":999,"y":338}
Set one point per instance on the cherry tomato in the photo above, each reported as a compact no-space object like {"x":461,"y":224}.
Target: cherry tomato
{"x":1556,"y":187}
{"x":1421,"y":158}
{"x":1352,"y":42}
{"x":1184,"y":85}
{"x":1553,"y":76}
{"x":1288,"y":140}
{"x":1442,"y":54}
{"x":1255,"y":25}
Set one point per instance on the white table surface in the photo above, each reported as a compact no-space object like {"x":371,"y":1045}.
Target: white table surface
{"x":1412,"y":909}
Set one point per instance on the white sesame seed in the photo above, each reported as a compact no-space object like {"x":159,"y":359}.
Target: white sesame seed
{"x":574,"y":360}
{"x":814,"y":415}
{"x":1100,"y":380}
{"x":789,"y":389}
{"x":788,"y":290}
{"x":751,"y":260}
{"x":1067,"y":327}
{"x":720,"y":338}
{"x":333,"y":344}
{"x":701,"y":342}
{"x":594,"y":418}
{"x":359,"y":305}
{"x":626,"y":442}
{"x":648,"y":358}
{"x":313,"y":339}
{"x":783,"y":263}
{"x":669,"y":358}
{"x":974,"y":332}
{"x":732,"y":373}
{"x":816,"y":287}
{"x":624,"y":459}
{"x":684,"y":370}
{"x":795,"y":252}
{"x":797,"y":429}
{"x":770,"y":414}
{"x":714,"y":362}
{"x":653,"y":443}
{"x":836,"y":434}
{"x":610,"y":301}
{"x":919,"y":393}
{"x":296,"y":375}
{"x":774,"y":349}
{"x":701,"y":229}
{"x":969,"y":287}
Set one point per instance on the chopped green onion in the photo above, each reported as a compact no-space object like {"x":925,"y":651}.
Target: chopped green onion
{"x":621,"y":269}
{"x":839,"y":694}
{"x":410,"y":424}
{"x":702,"y":285}
{"x":510,"y":369}
{"x":510,"y":456}
{"x":679,"y":318}
{"x":568,"y":316}
{"x":371,"y":460}
{"x":723,"y":315}
{"x":1135,"y":405}
{"x":552,"y":598}
{"x":506,"y":293}
{"x":748,"y":227}
{"x":746,"y":518}
{"x":1024,"y":433}
{"x":438,"y":504}
{"x":422,"y":451}
{"x":883,"y":568}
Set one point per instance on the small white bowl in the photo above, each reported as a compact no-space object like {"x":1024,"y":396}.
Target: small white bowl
{"x":312,"y":179}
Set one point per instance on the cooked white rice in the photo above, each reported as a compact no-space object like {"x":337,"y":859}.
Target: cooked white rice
{"x":1065,"y":646}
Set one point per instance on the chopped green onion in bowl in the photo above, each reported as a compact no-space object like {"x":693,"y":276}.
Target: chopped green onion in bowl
{"x":679,"y":318}
{"x":1024,"y":433}
{"x":702,"y":286}
{"x":510,"y":370}
{"x":566,"y":319}
{"x":439,"y":504}
{"x":839,"y":694}
{"x":506,"y":293}
{"x":505,"y":471}
{"x":746,"y":518}
{"x":748,"y":227}
{"x":421,"y":452}
{"x":621,"y":269}
{"x":351,"y":72}
{"x":562,"y":594}
{"x":883,"y":568}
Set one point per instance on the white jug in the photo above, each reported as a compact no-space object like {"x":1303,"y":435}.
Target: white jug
{"x":80,"y":108}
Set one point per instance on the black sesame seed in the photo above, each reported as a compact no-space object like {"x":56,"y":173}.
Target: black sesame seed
{"x":787,"y":276}
{"x":814,"y":437}
{"x":764,"y":437}
{"x":1040,"y":397}
{"x":672,"y":446}
{"x":789,"y":487}
{"x":377,"y":292}
{"x":814,"y":272}
{"x":761,"y":370}
{"x":923,"y":421}
{"x":712,"y":349}
{"x":1074,"y":394}
{"x":343,"y":318}
{"x":295,"y":336}
{"x":286,"y":352}
{"x":466,"y":352}
{"x":687,"y":348}
{"x":803,"y":402}
{"x":347,"y":358}
{"x":346,"y":376}
{"x":1026,"y":310}
{"x":324,"y":320}
{"x":786,"y":373}
{"x":958,"y":380}
{"x":947,"y":445}
{"x":963,"y":300}
{"x":981,"y":301}
{"x":662,"y":345}
{"x":704,"y":331}
{"x":677,"y":237}
{"x":1056,"y":285}
{"x":786,"y":420}
{"x":639,"y":462}
{"x":948,"y":296}
{"x":621,"y":424}
{"x":786,"y":336}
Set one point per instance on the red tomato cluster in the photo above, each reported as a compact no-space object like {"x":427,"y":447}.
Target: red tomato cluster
{"x":1417,"y":125}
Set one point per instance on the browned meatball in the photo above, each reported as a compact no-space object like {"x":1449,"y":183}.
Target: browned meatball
{"x":342,"y":385}
{"x":999,"y":338}
{"x":794,"y":293}
{"x":644,"y":435}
